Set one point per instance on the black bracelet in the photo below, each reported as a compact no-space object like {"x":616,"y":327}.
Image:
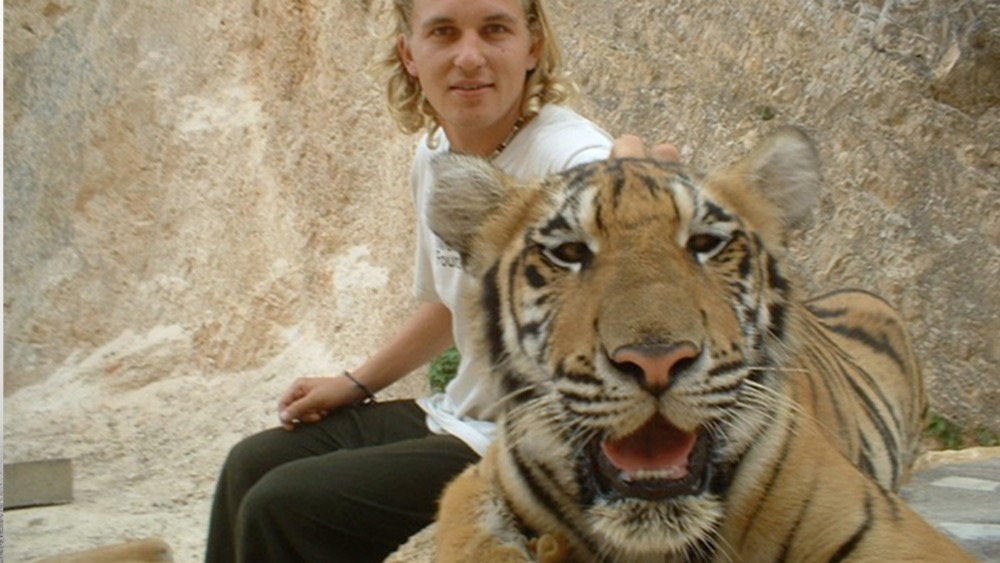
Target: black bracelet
{"x":369,"y":396}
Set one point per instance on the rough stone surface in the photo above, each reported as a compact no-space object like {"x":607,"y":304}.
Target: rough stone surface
{"x":205,"y":200}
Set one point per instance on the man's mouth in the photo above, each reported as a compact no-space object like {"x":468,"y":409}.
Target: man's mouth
{"x":471,"y":87}
{"x":656,"y":462}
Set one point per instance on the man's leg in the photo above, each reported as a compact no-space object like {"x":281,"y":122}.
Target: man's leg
{"x":354,"y":505}
{"x":257,"y":455}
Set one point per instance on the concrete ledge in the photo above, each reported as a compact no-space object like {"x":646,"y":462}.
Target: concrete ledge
{"x":37,"y":483}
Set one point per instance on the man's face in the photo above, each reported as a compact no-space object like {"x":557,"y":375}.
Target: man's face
{"x":471,"y":58}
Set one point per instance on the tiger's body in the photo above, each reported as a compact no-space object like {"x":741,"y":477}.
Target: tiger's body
{"x":669,"y":398}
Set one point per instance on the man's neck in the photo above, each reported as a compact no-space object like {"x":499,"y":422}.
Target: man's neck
{"x":481,"y":142}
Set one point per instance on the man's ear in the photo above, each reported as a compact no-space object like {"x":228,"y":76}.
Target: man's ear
{"x":535,"y":54}
{"x":406,"y":55}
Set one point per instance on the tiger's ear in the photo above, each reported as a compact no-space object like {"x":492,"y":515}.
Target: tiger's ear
{"x":776,"y":186}
{"x":474,"y":208}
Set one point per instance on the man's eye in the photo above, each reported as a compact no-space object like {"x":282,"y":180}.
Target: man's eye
{"x":569,"y":255}
{"x":495,"y":29}
{"x":443,"y":31}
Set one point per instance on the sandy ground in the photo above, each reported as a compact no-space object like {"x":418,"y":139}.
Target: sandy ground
{"x":145,"y":453}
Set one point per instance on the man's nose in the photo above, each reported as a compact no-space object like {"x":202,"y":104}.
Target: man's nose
{"x":470,"y":52}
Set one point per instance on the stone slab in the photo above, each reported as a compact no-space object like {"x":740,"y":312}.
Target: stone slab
{"x":38,"y":483}
{"x":963,"y":501}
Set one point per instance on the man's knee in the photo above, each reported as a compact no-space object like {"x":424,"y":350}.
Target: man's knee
{"x":287,"y":499}
{"x":251,"y":459}
{"x":268,"y":497}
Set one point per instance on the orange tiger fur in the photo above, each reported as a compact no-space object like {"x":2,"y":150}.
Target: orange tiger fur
{"x":669,"y":397}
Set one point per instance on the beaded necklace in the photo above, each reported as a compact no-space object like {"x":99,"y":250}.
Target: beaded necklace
{"x":510,"y":136}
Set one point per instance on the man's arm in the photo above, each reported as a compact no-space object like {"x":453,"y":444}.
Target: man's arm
{"x":425,"y":334}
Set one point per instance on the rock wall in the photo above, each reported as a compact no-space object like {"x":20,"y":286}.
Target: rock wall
{"x":205,"y":200}
{"x":904,"y":100}
{"x":223,"y":169}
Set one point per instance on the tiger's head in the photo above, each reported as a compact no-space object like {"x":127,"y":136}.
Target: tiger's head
{"x":634,"y":316}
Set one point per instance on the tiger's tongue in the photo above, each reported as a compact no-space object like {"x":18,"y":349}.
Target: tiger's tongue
{"x":657,"y":446}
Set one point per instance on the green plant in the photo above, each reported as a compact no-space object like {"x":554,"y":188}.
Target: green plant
{"x":766,"y":113}
{"x":442,"y":369}
{"x":986,"y":437}
{"x":949,"y":434}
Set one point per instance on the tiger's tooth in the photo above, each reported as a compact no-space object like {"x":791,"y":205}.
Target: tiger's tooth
{"x":662,"y":474}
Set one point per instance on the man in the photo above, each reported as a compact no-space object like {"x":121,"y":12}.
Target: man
{"x":347,"y":480}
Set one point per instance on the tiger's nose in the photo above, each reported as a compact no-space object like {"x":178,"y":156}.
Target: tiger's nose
{"x":655,"y":365}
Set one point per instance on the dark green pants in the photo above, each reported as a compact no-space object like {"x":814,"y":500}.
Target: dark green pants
{"x":350,"y":488}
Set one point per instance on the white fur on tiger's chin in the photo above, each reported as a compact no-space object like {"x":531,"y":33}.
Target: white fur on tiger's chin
{"x":641,"y":529}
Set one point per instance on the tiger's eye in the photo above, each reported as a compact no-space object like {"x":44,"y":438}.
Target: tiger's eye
{"x":572,"y":252}
{"x":704,"y":243}
{"x":571,"y":255}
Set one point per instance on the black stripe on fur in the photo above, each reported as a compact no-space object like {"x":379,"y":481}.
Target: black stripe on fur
{"x":777,"y":467}
{"x":878,"y":343}
{"x":851,"y":544}
{"x":540,"y":493}
{"x":490,"y":301}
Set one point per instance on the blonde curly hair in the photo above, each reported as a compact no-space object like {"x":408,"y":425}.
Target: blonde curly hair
{"x":547,"y":83}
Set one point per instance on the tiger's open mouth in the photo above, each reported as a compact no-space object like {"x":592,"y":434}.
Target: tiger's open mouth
{"x":658,"y":461}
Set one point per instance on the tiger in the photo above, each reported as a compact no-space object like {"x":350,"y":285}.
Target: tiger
{"x":668,"y":396}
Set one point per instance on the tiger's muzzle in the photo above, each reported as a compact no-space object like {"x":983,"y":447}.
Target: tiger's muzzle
{"x":659,"y":460}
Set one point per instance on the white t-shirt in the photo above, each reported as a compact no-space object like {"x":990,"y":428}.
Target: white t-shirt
{"x":555,"y":140}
